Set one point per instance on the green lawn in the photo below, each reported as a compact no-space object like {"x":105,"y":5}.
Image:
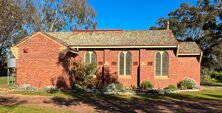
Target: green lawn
{"x":210,"y":83}
{"x":3,"y":80}
{"x":29,"y":109}
{"x":203,"y":95}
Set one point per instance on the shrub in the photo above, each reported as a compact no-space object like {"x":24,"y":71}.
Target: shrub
{"x":111,"y":87}
{"x":119,"y":86}
{"x":133,"y":87}
{"x":217,"y":75}
{"x":82,"y":75}
{"x":146,"y":85}
{"x":187,"y":83}
{"x":115,"y":87}
{"x":205,"y":78}
{"x":172,"y":87}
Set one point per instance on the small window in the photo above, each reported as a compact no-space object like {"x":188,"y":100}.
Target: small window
{"x":125,"y":63}
{"x":161,"y":63}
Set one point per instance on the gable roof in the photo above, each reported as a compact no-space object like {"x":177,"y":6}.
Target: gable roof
{"x":42,"y":33}
{"x":116,"y":38}
{"x":120,"y":39}
{"x":188,"y":47}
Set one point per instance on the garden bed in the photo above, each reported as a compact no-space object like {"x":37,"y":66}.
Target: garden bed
{"x":131,"y":92}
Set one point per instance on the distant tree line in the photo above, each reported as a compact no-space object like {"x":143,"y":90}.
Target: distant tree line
{"x":19,"y":18}
{"x":201,"y":23}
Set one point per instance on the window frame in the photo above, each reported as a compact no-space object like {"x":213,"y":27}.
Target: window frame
{"x":161,"y":64}
{"x":90,"y":56}
{"x":124,"y":70}
{"x":90,"y":59}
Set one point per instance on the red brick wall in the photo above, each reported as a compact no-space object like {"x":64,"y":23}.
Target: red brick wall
{"x":40,"y":66}
{"x":179,"y":67}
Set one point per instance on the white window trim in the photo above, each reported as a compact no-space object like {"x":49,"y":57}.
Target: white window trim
{"x":124,"y":70}
{"x":161,"y":64}
{"x":90,"y":56}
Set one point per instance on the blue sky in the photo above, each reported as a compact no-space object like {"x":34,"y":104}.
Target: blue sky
{"x":132,"y":14}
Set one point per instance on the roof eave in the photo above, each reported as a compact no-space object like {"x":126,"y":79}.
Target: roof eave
{"x":122,"y":46}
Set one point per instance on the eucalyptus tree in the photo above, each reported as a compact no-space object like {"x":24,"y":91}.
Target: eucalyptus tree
{"x":60,"y":15}
{"x":19,"y":18}
{"x":199,"y":23}
{"x":11,"y":23}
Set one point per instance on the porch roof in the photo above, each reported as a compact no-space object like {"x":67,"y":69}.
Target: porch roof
{"x":189,"y":47}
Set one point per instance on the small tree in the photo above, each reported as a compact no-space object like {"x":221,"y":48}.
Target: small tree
{"x":83,"y":74}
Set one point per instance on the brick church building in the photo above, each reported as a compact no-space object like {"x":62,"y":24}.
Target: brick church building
{"x":130,"y":57}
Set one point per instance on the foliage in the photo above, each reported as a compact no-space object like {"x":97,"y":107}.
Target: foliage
{"x":203,"y":94}
{"x":111,"y":87}
{"x":187,"y":83}
{"x":119,"y":86}
{"x":12,"y":21}
{"x":200,"y":23}
{"x":19,"y":18}
{"x":133,"y":87}
{"x":115,"y":87}
{"x":172,"y":87}
{"x":217,"y":75}
{"x":207,"y":80}
{"x":83,"y":75}
{"x":146,"y":85}
{"x":28,"y":87}
{"x":60,"y":15}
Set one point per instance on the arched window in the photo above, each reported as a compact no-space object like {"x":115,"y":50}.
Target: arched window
{"x":90,"y":58}
{"x":87,"y":58}
{"x":121,"y":63}
{"x":93,"y":57}
{"x":165,"y":64}
{"x":158,"y":64}
{"x":125,"y":63}
{"x":161,"y":63}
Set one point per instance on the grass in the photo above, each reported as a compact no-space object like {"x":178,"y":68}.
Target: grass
{"x":29,"y":109}
{"x":210,"y":83}
{"x":204,"y":94}
{"x":207,"y":80}
{"x":3,"y":80}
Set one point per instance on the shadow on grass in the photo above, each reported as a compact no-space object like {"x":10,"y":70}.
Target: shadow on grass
{"x":9,"y":103}
{"x":203,"y":101}
{"x":140,"y":103}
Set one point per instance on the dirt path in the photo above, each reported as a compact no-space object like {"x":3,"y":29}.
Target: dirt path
{"x":92,"y":104}
{"x":42,"y":101}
